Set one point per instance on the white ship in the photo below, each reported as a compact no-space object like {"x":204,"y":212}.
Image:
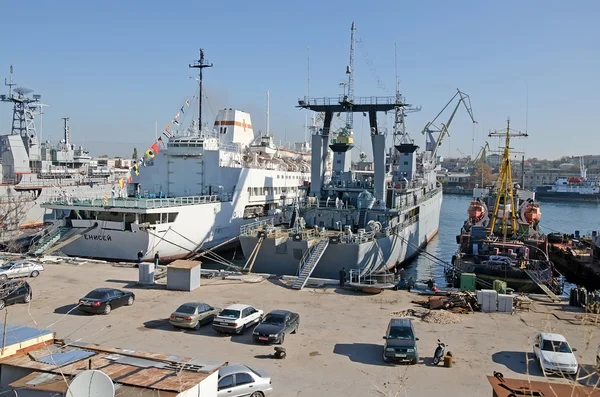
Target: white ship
{"x":365,"y":222}
{"x":32,"y":171}
{"x":193,"y":194}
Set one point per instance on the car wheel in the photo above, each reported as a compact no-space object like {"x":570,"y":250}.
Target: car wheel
{"x":415,"y":360}
{"x":385,"y":359}
{"x":3,"y":277}
{"x":2,"y":304}
{"x":107,"y":309}
{"x":197,"y":326}
{"x":257,"y":394}
{"x":35,"y":273}
{"x":130,"y":301}
{"x":282,"y":339}
{"x":436,"y":360}
{"x":27,"y":298}
{"x":241,"y":331}
{"x":296,"y":329}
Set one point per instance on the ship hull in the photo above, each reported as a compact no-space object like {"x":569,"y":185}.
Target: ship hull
{"x":282,"y":256}
{"x":566,"y":196}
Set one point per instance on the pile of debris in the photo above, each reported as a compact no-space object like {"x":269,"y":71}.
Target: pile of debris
{"x":456,"y":302}
{"x":442,"y":317}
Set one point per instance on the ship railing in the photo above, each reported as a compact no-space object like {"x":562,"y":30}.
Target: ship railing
{"x":142,"y":203}
{"x":367,"y":100}
{"x":253,"y":227}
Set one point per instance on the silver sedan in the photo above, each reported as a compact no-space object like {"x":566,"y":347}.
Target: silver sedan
{"x":239,"y":380}
{"x":20,"y":268}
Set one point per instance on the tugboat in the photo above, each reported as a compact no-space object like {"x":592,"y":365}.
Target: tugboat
{"x":501,"y":239}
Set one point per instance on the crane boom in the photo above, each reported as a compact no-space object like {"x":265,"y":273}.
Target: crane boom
{"x":434,"y":144}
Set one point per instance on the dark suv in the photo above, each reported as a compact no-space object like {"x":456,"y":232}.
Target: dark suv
{"x":400,"y":342}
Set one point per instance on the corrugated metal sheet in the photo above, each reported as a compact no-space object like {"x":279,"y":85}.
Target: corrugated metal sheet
{"x":66,"y":357}
{"x":18,"y":333}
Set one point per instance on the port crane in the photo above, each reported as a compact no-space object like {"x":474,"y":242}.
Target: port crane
{"x":432,"y":144}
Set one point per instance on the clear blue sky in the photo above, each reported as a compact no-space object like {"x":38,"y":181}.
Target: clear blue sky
{"x":116,"y":67}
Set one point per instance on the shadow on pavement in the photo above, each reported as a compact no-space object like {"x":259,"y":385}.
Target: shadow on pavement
{"x":519,"y":362}
{"x":70,"y":310}
{"x":364,"y":353}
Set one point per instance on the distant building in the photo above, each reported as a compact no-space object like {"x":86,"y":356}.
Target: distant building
{"x":493,"y":159}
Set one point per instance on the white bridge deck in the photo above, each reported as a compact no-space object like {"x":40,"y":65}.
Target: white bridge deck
{"x":132,"y":203}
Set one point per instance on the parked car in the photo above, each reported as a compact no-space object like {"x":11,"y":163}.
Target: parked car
{"x":104,"y":300}
{"x":239,"y":380}
{"x":237,"y":318}
{"x":400,"y":342}
{"x":14,"y":291}
{"x":275,"y":325}
{"x":20,"y":268}
{"x":554,"y":354}
{"x":193,"y":315}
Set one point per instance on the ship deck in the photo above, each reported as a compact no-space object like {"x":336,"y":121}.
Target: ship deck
{"x":131,"y":203}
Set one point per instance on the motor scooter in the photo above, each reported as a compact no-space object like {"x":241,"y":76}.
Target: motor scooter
{"x":439,"y":352}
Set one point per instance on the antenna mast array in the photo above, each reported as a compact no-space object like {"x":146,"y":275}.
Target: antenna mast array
{"x":349,"y":99}
{"x":200,"y":64}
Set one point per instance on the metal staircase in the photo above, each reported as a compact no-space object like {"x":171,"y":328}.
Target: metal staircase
{"x":48,"y":240}
{"x":311,"y":262}
{"x":542,"y":286}
{"x":362,"y":216}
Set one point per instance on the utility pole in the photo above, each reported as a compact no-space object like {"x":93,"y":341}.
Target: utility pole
{"x":200,"y":64}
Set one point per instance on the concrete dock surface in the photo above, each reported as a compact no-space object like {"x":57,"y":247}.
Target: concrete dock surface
{"x":338,"y":348}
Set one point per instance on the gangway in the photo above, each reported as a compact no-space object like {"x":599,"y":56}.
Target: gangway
{"x":542,"y":286}
{"x":311,"y":261}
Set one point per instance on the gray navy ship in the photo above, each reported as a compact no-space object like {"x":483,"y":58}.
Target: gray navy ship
{"x":32,"y":172}
{"x":366,"y":221}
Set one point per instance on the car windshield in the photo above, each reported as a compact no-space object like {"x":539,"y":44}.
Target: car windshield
{"x":230,"y":313}
{"x":556,"y":346}
{"x":275,"y":320}
{"x":186,"y":309}
{"x":96,"y":295}
{"x":400,"y":333}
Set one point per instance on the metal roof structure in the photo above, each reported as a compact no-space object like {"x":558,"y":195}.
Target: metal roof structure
{"x":56,"y":360}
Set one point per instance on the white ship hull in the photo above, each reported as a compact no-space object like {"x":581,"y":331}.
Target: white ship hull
{"x":282,"y":256}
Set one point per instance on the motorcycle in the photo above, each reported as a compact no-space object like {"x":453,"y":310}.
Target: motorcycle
{"x":439,"y":352}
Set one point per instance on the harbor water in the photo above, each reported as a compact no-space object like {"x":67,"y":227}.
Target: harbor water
{"x":563,"y":217}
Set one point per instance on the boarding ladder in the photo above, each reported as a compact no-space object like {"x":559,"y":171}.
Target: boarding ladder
{"x":51,"y":242}
{"x":542,"y":286}
{"x":362,"y":217}
{"x":311,"y":262}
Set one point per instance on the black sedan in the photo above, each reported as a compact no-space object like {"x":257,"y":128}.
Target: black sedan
{"x":14,"y":291}
{"x":104,"y":300}
{"x":275,"y":325}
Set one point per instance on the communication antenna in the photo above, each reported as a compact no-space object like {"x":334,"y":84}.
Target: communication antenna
{"x":200,"y":64}
{"x":91,"y":383}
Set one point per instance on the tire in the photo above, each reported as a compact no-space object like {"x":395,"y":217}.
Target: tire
{"x":282,"y":339}
{"x":436,"y":361}
{"x":27,"y":298}
{"x":2,"y":304}
{"x":197,"y":326}
{"x":3,"y":277}
{"x":415,"y":360}
{"x":296,"y":329}
{"x":107,"y":309}
{"x":130,"y":301}
{"x":385,"y":359}
{"x":257,"y":394}
{"x":35,"y":273}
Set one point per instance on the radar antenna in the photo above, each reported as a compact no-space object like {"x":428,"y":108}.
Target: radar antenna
{"x":200,"y":64}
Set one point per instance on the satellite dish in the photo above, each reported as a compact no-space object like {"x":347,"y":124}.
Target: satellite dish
{"x":91,"y":383}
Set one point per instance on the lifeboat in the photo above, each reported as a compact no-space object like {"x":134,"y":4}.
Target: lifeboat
{"x":574,"y":180}
{"x":531,"y":213}
{"x":477,"y":211}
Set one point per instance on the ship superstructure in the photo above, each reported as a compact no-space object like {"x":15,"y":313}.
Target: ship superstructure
{"x":32,"y":171}
{"x":367,"y":222}
{"x":192,"y":193}
{"x":579,"y":188}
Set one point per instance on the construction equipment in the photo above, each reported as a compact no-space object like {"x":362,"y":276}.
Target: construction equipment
{"x":432,"y":144}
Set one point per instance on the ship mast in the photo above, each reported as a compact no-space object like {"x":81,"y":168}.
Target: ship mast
{"x":200,"y":64}
{"x":349,"y":98}
{"x":505,"y":189}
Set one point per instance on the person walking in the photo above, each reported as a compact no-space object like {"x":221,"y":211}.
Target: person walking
{"x":342,"y":277}
{"x":156,"y":258}
{"x":140,"y":256}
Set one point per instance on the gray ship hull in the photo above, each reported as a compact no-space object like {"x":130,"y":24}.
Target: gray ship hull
{"x":282,"y":256}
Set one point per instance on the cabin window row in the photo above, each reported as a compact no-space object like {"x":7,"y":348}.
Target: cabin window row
{"x":289,"y":177}
{"x":269,"y":191}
